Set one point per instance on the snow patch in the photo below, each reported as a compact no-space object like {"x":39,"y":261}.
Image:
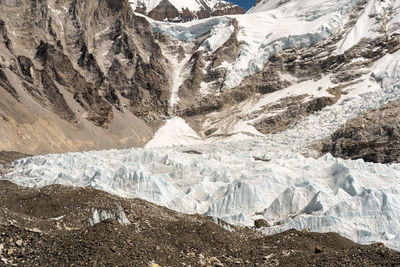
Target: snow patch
{"x":175,"y":132}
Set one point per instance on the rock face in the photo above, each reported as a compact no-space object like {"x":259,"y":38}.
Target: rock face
{"x":171,"y":10}
{"x":95,"y":66}
{"x":374,"y":136}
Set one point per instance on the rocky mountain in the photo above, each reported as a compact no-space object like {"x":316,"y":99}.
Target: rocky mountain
{"x":235,"y":80}
{"x":117,"y":77}
{"x":78,"y":76}
{"x":181,"y":11}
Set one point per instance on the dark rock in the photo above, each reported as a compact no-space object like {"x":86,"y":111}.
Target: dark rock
{"x":319,"y":249}
{"x":182,"y":239}
{"x":261,"y":159}
{"x":25,"y":65}
{"x":294,"y":108}
{"x":373,"y":136}
{"x":261,"y":223}
{"x":82,"y":67}
{"x":166,"y":11}
{"x":193,"y":152}
{"x":5,"y":83}
{"x":210,"y":131}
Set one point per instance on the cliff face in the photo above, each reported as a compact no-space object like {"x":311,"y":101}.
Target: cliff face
{"x":373,"y":137}
{"x":78,"y":75}
{"x":166,"y":10}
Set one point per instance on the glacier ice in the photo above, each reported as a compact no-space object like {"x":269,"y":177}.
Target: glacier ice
{"x":356,"y":199}
{"x":99,"y":215}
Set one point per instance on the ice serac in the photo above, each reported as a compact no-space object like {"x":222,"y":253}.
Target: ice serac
{"x":76,"y":75}
{"x":356,"y":199}
{"x":181,"y":11}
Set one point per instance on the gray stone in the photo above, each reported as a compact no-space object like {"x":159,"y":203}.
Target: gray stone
{"x":373,"y":136}
{"x":261,"y":223}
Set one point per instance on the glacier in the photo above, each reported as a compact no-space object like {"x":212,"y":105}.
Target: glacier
{"x":359,"y":200}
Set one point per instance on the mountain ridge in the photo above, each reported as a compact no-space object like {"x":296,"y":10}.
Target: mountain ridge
{"x":178,"y":11}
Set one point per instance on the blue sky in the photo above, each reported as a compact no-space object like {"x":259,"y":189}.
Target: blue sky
{"x":246,"y":4}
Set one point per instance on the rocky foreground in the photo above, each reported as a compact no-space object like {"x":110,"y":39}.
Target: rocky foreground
{"x":60,"y":225}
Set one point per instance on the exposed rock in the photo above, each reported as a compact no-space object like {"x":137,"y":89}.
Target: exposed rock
{"x":5,"y":83}
{"x":261,"y":223}
{"x":294,"y":108}
{"x":193,"y":152}
{"x":165,"y":11}
{"x":261,"y":159}
{"x":10,"y":156}
{"x":97,"y":63}
{"x":373,"y":136}
{"x":288,"y":67}
{"x":102,"y":71}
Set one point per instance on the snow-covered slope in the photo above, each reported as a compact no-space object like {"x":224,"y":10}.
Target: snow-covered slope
{"x":269,"y":29}
{"x":378,"y":17}
{"x":263,"y":33}
{"x":192,"y":5}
